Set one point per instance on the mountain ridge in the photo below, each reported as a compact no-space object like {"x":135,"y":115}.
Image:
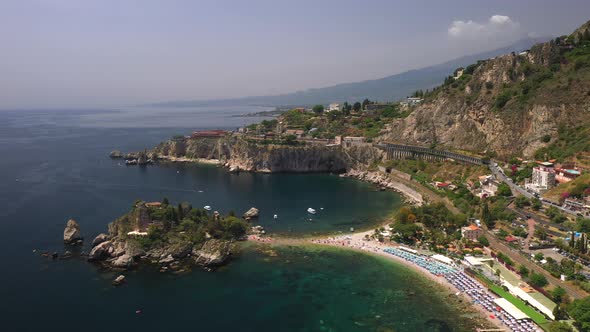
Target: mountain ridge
{"x":389,"y":88}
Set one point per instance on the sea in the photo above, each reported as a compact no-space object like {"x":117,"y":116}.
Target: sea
{"x":55,"y":166}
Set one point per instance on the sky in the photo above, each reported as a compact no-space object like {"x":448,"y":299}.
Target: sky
{"x":113,"y":53}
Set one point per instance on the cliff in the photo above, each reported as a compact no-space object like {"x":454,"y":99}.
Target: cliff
{"x":509,"y":105}
{"x":238,"y":153}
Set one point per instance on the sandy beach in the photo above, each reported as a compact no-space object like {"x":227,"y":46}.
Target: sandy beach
{"x":357,"y":242}
{"x":191,"y":160}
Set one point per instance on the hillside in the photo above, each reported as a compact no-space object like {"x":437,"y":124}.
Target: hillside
{"x":389,"y":88}
{"x":535,"y":104}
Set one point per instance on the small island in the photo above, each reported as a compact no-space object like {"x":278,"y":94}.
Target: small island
{"x":171,"y":236}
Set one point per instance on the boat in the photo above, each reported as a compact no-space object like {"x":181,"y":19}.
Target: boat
{"x":310,"y":210}
{"x":276,"y":217}
{"x":207,"y":207}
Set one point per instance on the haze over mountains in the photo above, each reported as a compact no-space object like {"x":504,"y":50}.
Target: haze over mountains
{"x":390,"y":88}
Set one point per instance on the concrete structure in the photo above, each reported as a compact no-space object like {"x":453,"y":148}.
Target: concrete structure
{"x":488,"y":186}
{"x":563,"y":175}
{"x":577,"y":205}
{"x":333,"y":107}
{"x":510,"y":308}
{"x":414,"y":101}
{"x":349,"y":141}
{"x":398,"y":151}
{"x":338,"y":140}
{"x":208,"y":133}
{"x":297,"y":132}
{"x":458,"y":73}
{"x":442,"y":259}
{"x":471,"y":232}
{"x":542,"y":180}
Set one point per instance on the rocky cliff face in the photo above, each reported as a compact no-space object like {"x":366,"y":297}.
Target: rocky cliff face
{"x":239,"y":154}
{"x":507,"y":104}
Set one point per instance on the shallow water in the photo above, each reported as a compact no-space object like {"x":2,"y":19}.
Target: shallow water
{"x":54,"y":167}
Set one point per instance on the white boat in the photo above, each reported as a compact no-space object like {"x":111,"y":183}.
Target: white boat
{"x":310,"y":210}
{"x":276,"y":217}
{"x":207,"y":207}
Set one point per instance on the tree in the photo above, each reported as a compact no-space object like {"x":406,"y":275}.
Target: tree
{"x":346,"y":108}
{"x":357,"y":107}
{"x":559,"y":326}
{"x":165,"y":201}
{"x":580,"y":311}
{"x":290,"y":139}
{"x":483,"y":240}
{"x":504,"y":190}
{"x":539,"y":256}
{"x":318,"y":109}
{"x":365,"y":103}
{"x":523,"y":271}
{"x":558,"y":294}
{"x":538,"y":280}
{"x":521,"y":201}
{"x":180,"y":212}
{"x":486,"y":215}
{"x":536,"y":204}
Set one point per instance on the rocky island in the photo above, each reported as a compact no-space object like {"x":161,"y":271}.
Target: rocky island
{"x":169,"y":236}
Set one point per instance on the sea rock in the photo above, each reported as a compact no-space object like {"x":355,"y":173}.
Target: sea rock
{"x":167,"y":260}
{"x":179,"y":249}
{"x":72,"y":232}
{"x":252,"y":213}
{"x":101,"y":251}
{"x":213,"y":252}
{"x":119,"y":280}
{"x":100,"y":238}
{"x":123,"y":261}
{"x":116,"y":154}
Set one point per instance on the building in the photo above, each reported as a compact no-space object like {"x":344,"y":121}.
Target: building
{"x":333,"y":107}
{"x":297,"y":132}
{"x":488,"y":186}
{"x":414,"y":101}
{"x":338,"y":140}
{"x":349,"y":141}
{"x":471,"y":232}
{"x":563,"y":175}
{"x":543,"y":178}
{"x":577,"y":205}
{"x":458,"y":73}
{"x":209,"y":133}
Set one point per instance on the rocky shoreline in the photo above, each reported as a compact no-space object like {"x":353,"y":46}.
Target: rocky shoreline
{"x":169,"y":236}
{"x":386,"y":182}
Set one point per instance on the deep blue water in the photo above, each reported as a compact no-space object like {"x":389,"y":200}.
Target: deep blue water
{"x":55,"y":167}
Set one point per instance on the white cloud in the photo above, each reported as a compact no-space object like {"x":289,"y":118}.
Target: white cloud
{"x":498,"y":27}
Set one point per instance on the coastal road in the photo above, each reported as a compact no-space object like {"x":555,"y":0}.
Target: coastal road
{"x":497,"y":171}
{"x":498,"y":246}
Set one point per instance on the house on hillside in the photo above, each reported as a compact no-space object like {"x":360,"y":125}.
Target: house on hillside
{"x":471,"y":232}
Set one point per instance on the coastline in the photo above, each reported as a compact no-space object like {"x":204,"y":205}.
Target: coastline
{"x":355,"y":242}
{"x":190,"y":160}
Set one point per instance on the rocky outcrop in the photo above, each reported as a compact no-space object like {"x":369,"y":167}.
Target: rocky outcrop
{"x":100,"y":238}
{"x":213,"y":252}
{"x":124,"y":261}
{"x":116,"y":154}
{"x":102,"y":251}
{"x":72,"y":233}
{"x":238,"y":154}
{"x":386,"y":181}
{"x":251,"y":213}
{"x":508,"y":105}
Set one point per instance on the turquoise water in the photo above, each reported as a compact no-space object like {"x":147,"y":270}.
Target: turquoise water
{"x":54,"y":167}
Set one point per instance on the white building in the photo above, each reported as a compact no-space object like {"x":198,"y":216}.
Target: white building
{"x":333,"y":107}
{"x":349,"y":141}
{"x":543,"y":178}
{"x":414,"y":101}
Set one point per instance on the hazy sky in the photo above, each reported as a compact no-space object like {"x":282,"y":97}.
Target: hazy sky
{"x":108,"y":53}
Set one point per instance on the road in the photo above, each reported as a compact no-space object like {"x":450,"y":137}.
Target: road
{"x":497,"y":171}
{"x":498,"y":246}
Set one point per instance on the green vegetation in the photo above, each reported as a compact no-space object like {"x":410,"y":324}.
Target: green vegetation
{"x":535,"y":316}
{"x":538,"y":280}
{"x":167,"y":224}
{"x":570,"y":141}
{"x":580,"y":311}
{"x":432,"y":223}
